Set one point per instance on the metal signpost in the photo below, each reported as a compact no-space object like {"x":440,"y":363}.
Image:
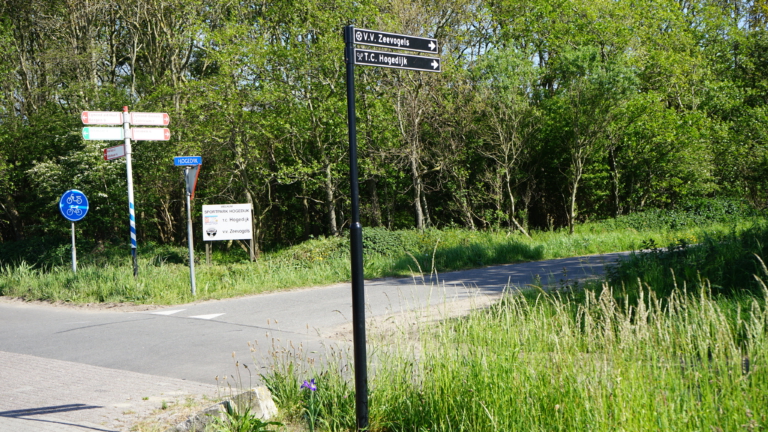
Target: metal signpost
{"x":352,"y":57}
{"x":73,"y":205}
{"x":126,"y":133}
{"x":191,"y":166}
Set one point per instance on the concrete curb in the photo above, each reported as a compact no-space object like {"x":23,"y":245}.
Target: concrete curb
{"x":258,"y":399}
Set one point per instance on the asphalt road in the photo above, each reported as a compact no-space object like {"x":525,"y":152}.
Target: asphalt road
{"x":195,"y":342}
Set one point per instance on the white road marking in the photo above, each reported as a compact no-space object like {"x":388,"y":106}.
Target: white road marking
{"x":207,"y":317}
{"x":168,"y":312}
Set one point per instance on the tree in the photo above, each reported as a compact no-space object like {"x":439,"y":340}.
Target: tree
{"x":589,"y":94}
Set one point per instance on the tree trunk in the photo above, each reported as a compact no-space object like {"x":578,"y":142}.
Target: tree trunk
{"x":469,"y":220}
{"x":13,"y":215}
{"x":572,"y":204}
{"x":416,"y":176}
{"x":425,"y":207}
{"x":512,"y":207}
{"x":255,"y":250}
{"x":330,"y":200}
{"x":305,"y":205}
{"x":614,"y":182}
{"x":375,"y":207}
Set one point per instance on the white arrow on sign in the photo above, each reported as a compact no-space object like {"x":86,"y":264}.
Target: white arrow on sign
{"x":151,"y":134}
{"x":150,"y":119}
{"x":435,"y":64}
{"x":102,"y":117}
{"x":103,"y":133}
{"x":432,"y":45}
{"x":114,"y":152}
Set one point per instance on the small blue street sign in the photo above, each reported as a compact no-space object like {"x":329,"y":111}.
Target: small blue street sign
{"x":73,"y":205}
{"x":187,"y":160}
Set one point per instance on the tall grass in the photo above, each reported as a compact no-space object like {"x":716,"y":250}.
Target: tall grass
{"x":105,"y":275}
{"x":548,"y":362}
{"x":725,"y":259}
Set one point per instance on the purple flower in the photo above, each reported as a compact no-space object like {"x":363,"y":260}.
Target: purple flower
{"x":309,"y":385}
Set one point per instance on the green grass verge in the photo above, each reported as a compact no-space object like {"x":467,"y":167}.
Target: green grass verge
{"x":687,"y":354}
{"x":104,"y":275}
{"x":550,"y":362}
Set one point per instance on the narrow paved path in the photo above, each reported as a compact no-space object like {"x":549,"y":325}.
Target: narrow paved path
{"x":194,"y":343}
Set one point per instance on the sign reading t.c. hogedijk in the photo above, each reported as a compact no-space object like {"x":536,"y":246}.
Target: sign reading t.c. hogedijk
{"x":227,"y":222}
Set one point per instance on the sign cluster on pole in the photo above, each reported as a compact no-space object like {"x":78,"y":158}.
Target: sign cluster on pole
{"x":395,"y":60}
{"x":126,"y":133}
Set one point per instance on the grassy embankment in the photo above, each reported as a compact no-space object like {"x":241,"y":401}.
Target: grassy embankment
{"x":104,"y":275}
{"x":687,"y":352}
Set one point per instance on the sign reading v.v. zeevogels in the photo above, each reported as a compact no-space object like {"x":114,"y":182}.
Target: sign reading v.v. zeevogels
{"x":396,"y":41}
{"x":397,"y":60}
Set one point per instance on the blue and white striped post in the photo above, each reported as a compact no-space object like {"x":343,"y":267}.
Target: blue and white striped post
{"x":129,"y":174}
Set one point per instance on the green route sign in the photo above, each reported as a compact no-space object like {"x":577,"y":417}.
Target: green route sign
{"x":103,"y":133}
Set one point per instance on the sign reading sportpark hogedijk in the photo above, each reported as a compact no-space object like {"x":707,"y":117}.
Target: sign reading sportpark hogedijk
{"x":395,"y":41}
{"x":227,"y":222}
{"x":397,"y":60}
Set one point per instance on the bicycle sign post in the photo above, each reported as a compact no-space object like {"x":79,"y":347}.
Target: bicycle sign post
{"x":126,"y":134}
{"x":73,"y":205}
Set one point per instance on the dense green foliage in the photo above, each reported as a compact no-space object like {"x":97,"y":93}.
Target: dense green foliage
{"x":548,"y":113}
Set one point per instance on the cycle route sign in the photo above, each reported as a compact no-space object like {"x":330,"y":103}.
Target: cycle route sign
{"x":73,"y":205}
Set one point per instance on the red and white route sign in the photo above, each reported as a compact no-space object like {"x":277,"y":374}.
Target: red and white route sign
{"x":150,"y":119}
{"x":102,"y":117}
{"x":151,"y":134}
{"x":114,"y":152}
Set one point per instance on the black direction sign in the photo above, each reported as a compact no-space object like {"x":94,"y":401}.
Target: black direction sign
{"x":396,"y":41}
{"x":397,"y":60}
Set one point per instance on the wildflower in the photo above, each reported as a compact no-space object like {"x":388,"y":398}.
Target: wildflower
{"x":309,"y":385}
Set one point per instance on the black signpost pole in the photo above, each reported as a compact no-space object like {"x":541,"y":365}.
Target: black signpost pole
{"x":356,"y":245}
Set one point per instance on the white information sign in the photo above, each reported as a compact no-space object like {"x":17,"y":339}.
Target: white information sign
{"x":227,"y":222}
{"x":102,"y":117}
{"x":114,"y":152}
{"x":150,"y":119}
{"x":150,"y":134}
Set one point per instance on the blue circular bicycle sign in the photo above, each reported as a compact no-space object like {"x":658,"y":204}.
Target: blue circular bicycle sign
{"x":73,"y":205}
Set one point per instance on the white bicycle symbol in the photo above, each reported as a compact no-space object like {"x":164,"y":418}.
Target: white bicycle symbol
{"x":77,"y":199}
{"x":74,"y":211}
